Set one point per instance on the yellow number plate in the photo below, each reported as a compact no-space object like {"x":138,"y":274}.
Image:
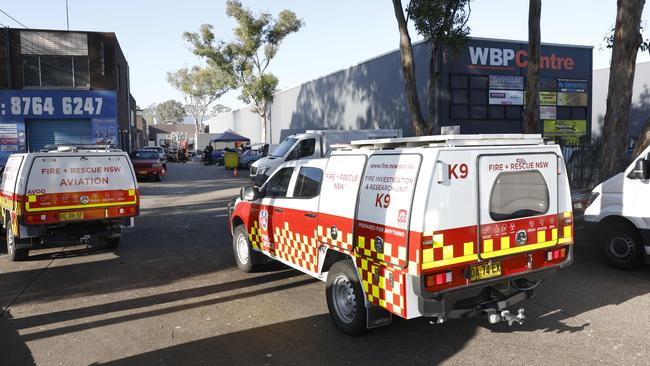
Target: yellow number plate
{"x":484,"y":271}
{"x":69,"y":216}
{"x":142,"y":172}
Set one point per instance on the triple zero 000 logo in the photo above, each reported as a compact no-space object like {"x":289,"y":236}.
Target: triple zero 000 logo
{"x":264,"y":219}
{"x":84,"y":199}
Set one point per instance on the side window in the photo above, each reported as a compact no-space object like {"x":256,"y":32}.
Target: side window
{"x":308,"y":183}
{"x":278,"y":185}
{"x":306,"y":148}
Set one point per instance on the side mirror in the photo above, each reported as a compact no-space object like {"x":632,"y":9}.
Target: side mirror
{"x":249,"y":193}
{"x":641,"y":170}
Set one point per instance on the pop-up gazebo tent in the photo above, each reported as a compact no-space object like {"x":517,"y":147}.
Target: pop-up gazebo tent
{"x":231,"y":136}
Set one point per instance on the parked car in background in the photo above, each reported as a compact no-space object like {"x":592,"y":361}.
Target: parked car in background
{"x":146,"y":163}
{"x":162,"y":154}
{"x":248,"y":157}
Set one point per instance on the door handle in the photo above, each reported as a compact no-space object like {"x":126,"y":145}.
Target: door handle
{"x":278,"y":209}
{"x":310,"y":215}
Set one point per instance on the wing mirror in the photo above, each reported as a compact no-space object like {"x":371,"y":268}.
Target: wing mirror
{"x":641,"y":170}
{"x":249,"y":193}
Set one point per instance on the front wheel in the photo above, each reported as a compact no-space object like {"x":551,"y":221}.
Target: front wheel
{"x":345,"y":299}
{"x":622,"y":247}
{"x":246,"y":258}
{"x":14,"y":253}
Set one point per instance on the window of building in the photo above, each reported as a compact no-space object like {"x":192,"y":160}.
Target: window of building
{"x":518,"y":194}
{"x":308,"y":183}
{"x":56,"y":71}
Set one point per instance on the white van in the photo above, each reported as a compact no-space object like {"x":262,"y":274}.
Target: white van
{"x":618,"y":217}
{"x":310,"y":145}
{"x":59,"y":198}
{"x":435,"y":226}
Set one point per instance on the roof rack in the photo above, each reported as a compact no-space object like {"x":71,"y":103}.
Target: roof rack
{"x":449,"y":141}
{"x":78,"y":148}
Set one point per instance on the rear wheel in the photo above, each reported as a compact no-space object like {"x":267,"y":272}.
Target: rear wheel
{"x":621,"y":246}
{"x":14,"y":253}
{"x":246,"y":258}
{"x":345,"y":299}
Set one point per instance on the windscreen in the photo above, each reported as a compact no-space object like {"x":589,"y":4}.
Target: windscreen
{"x":284,"y":147}
{"x":145,"y":155}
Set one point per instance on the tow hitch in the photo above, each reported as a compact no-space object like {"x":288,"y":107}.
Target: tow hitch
{"x":505,"y":316}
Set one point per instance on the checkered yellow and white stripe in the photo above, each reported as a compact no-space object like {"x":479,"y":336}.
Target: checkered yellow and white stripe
{"x":390,"y":254}
{"x":296,"y":248}
{"x":379,"y":288}
{"x":343,"y":240}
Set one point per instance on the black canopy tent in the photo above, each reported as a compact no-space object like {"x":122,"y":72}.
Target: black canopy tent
{"x":231,"y":136}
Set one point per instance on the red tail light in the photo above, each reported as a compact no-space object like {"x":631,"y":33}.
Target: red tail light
{"x":437,"y":279}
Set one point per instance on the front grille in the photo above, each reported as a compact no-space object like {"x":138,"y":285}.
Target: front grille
{"x":143,"y":166}
{"x":253,"y":170}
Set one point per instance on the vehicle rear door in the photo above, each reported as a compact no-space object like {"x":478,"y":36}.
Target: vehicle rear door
{"x":518,"y":203}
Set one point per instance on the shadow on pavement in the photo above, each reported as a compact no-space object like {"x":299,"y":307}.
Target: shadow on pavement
{"x":13,"y":350}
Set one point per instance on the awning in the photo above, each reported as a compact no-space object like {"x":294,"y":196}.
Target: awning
{"x":230,"y":136}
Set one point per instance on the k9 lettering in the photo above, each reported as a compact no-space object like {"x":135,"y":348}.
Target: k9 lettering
{"x":73,"y":106}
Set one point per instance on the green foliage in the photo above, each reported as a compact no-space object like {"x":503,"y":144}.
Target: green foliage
{"x":442,"y":21}
{"x":246,"y":58}
{"x":200,"y":88}
{"x":170,"y":111}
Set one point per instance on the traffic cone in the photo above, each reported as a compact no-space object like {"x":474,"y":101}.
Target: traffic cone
{"x":234,"y":173}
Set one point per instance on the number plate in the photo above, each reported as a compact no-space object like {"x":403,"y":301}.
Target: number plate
{"x":484,"y":271}
{"x":69,"y":216}
{"x":142,"y":172}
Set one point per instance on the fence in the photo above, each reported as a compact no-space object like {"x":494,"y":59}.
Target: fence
{"x":583,"y":164}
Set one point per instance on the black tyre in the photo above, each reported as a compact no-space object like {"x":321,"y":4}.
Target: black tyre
{"x":13,"y":253}
{"x":246,"y":258}
{"x":345,"y":299}
{"x":112,"y":243}
{"x":622,"y":246}
{"x":158,"y":178}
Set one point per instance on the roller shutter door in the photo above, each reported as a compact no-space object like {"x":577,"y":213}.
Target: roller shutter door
{"x":58,"y":132}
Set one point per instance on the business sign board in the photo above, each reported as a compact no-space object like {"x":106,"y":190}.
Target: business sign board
{"x":547,"y":98}
{"x":570,"y":131}
{"x":548,"y":84}
{"x":506,"y":97}
{"x":547,"y":112}
{"x":17,"y":106}
{"x":506,"y":82}
{"x":572,"y":99}
{"x":573,"y":86}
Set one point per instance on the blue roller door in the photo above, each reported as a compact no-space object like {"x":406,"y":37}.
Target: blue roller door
{"x":57,"y":132}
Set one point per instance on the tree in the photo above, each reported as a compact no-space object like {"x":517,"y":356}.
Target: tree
{"x":170,"y":111}
{"x":531,"y":114}
{"x":149,"y":113}
{"x":247,"y":57}
{"x":626,"y":42}
{"x":443,"y":23}
{"x":200,"y":88}
{"x":218,"y":109}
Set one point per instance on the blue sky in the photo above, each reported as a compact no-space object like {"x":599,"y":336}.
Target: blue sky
{"x":337,"y":34}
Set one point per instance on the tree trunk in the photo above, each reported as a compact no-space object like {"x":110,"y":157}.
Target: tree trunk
{"x":531,"y":114}
{"x":627,"y":39}
{"x":408,"y":68}
{"x":263,"y":132}
{"x":642,"y":141}
{"x":434,"y":125}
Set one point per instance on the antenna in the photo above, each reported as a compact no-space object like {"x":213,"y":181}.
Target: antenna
{"x":67,"y":18}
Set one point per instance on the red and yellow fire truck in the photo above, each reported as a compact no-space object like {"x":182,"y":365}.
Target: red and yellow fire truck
{"x":436,"y":226}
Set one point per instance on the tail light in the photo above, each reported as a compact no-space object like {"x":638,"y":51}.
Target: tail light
{"x":555,"y":254}
{"x":437,"y":279}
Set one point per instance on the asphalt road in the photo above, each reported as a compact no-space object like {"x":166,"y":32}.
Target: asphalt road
{"x":171,"y":295}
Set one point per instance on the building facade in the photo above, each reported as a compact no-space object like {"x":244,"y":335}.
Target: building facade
{"x":63,"y":87}
{"x":481,"y":91}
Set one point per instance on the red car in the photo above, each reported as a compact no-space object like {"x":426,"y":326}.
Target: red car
{"x":146,"y":163}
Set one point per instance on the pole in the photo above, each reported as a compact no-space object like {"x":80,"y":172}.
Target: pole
{"x":67,"y":18}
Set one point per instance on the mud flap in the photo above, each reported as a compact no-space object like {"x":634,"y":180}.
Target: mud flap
{"x":376,"y":316}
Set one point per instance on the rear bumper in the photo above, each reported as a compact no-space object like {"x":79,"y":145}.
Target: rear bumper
{"x":497,"y":294}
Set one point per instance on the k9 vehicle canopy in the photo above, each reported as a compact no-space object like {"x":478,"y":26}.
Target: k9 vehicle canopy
{"x":435,"y":226}
{"x":80,"y":194}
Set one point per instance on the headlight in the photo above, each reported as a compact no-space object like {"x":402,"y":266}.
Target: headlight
{"x":262,"y":170}
{"x":157,"y":165}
